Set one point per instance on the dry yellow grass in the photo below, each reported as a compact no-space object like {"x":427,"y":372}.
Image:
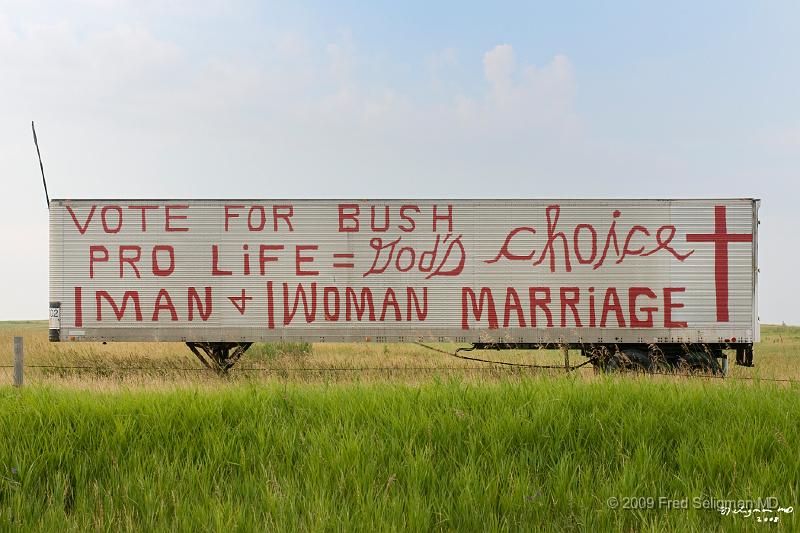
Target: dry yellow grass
{"x":171,"y":364}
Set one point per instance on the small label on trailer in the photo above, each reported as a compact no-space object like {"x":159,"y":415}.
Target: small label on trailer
{"x":55,"y":315}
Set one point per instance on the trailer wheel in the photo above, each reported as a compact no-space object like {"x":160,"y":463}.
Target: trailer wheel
{"x":699,"y":361}
{"x":634,"y":359}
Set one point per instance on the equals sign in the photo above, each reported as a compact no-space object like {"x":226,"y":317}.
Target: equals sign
{"x":343,"y":256}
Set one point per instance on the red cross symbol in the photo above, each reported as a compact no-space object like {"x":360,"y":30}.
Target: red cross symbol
{"x":720,"y":238}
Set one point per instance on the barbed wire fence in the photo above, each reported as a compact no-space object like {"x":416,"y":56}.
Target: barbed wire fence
{"x":381,"y":369}
{"x":487,"y":366}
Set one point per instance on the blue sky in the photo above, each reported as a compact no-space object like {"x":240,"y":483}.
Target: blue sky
{"x":265,"y":99}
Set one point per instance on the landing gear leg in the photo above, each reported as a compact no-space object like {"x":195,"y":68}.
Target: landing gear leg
{"x":219,"y":356}
{"x":744,"y":355}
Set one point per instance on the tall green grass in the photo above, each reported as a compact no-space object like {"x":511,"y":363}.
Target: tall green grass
{"x":541,"y":454}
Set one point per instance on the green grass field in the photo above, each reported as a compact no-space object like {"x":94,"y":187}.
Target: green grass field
{"x":420,"y":451}
{"x":535,"y":454}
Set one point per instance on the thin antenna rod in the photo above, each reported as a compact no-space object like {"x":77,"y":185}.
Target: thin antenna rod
{"x":41,"y":166}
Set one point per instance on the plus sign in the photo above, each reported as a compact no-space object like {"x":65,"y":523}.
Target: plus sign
{"x":720,"y":238}
{"x":242,"y":301}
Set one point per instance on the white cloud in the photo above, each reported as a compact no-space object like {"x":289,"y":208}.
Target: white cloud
{"x":442,"y":59}
{"x":55,"y":70}
{"x":292,"y":45}
{"x":59,"y":71}
{"x":526,"y":103}
{"x":499,"y":65}
{"x":441,"y":65}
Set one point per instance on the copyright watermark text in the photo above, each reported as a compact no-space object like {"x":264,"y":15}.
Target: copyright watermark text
{"x":762,"y":509}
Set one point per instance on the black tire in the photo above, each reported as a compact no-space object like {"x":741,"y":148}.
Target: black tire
{"x":699,"y":362}
{"x":629,"y":359}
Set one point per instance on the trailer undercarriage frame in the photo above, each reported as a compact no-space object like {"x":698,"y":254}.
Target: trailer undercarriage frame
{"x":710,"y":357}
{"x":647,"y":357}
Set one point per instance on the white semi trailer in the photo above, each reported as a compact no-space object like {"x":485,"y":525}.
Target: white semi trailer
{"x":629,"y":281}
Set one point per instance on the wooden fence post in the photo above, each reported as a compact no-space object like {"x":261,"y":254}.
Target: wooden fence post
{"x":565,"y":351}
{"x":18,"y":361}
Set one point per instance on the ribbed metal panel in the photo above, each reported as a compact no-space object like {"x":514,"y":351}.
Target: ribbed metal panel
{"x":480,"y":226}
